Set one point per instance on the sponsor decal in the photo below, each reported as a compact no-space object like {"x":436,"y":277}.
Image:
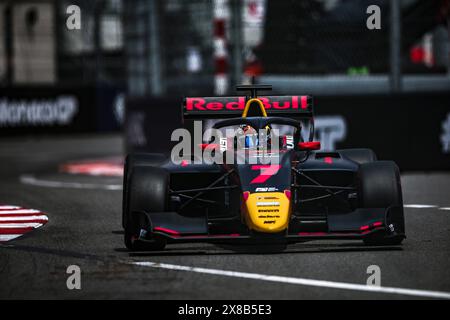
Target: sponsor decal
{"x":268,"y":204}
{"x":238,"y":103}
{"x":38,"y":112}
{"x":268,"y":210}
{"x":269,"y":217}
{"x":289,"y":142}
{"x":266,"y":189}
{"x":268,"y":198}
{"x":202,"y":104}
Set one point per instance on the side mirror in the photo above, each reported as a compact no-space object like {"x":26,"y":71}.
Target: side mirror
{"x":309,"y":146}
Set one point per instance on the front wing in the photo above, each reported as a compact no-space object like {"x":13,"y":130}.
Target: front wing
{"x":356,"y":225}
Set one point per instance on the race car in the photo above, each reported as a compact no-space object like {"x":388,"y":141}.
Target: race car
{"x":274,"y":185}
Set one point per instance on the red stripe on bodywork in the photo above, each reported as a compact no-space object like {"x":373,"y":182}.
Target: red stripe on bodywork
{"x":310,"y":145}
{"x":346,"y":233}
{"x":210,"y":236}
{"x":313,"y":233}
{"x":288,"y":194}
{"x":165,"y":230}
{"x":267,"y":171}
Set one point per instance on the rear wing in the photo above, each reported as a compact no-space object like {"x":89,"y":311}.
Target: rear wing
{"x":296,"y":107}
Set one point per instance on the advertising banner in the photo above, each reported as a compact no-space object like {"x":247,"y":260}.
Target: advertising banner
{"x":30,"y":110}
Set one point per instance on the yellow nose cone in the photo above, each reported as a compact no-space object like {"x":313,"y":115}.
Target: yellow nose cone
{"x":267,"y":211}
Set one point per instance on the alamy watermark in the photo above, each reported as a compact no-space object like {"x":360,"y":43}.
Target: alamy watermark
{"x":73,"y":21}
{"x":242,"y":145}
{"x":373,"y":22}
{"x":73,"y":282}
{"x":374,"y":278}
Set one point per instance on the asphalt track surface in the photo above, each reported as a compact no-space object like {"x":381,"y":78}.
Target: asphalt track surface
{"x":84,"y":229}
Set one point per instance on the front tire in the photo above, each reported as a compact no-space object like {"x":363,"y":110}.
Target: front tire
{"x":380,"y":187}
{"x":147,"y":192}
{"x":132,"y":161}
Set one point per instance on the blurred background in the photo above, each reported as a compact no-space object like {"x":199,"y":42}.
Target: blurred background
{"x":127,"y":65}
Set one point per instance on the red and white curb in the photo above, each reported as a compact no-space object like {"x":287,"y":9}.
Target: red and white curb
{"x":33,"y":181}
{"x":16,"y":221}
{"x":111,"y":167}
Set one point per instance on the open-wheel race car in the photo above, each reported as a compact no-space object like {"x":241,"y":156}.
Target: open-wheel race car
{"x":273,"y":185}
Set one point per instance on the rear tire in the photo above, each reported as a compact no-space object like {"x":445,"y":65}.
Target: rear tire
{"x":147,"y":189}
{"x":359,"y":155}
{"x":380,"y":187}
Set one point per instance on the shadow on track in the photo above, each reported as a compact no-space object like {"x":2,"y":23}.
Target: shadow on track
{"x":57,"y":252}
{"x":249,"y":249}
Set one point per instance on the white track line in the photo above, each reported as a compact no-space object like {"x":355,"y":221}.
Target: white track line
{"x":445,"y":208}
{"x":420,"y":206}
{"x":31,"y":180}
{"x":299,"y":281}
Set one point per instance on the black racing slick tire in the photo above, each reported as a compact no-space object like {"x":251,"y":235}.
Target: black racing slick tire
{"x":359,"y":155}
{"x":380,"y":187}
{"x":134,"y":160}
{"x":147,"y":192}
